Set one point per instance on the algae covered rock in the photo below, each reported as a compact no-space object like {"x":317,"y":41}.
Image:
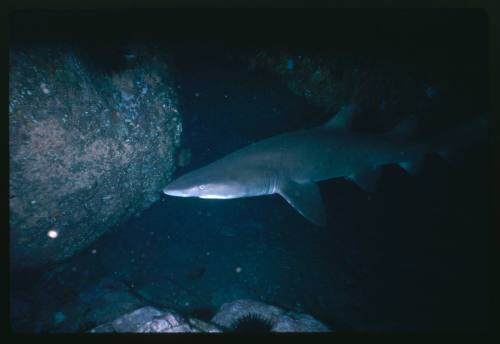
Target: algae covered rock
{"x":88,"y":146}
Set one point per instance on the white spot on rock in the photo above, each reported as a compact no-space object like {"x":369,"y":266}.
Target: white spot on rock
{"x":53,"y":234}
{"x":45,"y":88}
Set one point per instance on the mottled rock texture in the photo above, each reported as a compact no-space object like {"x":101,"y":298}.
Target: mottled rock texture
{"x":149,"y":320}
{"x":89,"y":146}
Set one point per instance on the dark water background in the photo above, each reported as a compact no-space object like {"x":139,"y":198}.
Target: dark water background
{"x":412,"y":256}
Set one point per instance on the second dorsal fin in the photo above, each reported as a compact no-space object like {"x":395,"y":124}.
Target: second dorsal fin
{"x":407,"y":128}
{"x":343,"y":118}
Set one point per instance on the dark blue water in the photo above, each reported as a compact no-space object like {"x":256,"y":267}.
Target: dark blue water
{"x":412,"y":256}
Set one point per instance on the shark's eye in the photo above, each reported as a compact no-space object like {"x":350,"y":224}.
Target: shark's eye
{"x":201,"y":187}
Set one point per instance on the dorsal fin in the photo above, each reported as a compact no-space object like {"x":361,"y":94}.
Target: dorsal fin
{"x":343,"y":118}
{"x":406,"y":128}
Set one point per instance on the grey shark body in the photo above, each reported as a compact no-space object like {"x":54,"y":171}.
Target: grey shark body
{"x":290,"y":164}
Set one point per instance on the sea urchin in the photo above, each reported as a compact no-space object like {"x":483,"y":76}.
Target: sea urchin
{"x":252,"y":323}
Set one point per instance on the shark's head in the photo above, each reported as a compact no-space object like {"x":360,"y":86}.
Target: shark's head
{"x":214,"y":182}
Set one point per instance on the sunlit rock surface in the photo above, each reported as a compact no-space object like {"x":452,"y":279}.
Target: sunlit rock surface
{"x":151,"y":320}
{"x":89,"y":146}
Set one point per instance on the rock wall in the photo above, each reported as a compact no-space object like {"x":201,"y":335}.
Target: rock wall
{"x":385,"y":90}
{"x":88,"y":147}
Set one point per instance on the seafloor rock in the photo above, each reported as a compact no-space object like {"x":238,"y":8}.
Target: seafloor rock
{"x":203,"y":326}
{"x":81,"y":310}
{"x":280,"y":320}
{"x":104,"y":328}
{"x":149,"y":320}
{"x":103,"y":303}
{"x":89,"y":147}
{"x":133,"y":321}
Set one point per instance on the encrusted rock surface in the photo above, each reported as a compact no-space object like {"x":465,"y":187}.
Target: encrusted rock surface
{"x":147,"y":320}
{"x":150,"y":319}
{"x":132,"y":322}
{"x":89,"y":147}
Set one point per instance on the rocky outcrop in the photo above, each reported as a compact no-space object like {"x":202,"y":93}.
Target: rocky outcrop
{"x":279,"y":319}
{"x":150,"y":319}
{"x":89,"y":147}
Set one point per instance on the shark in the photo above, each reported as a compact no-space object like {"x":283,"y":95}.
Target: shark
{"x":291,"y":164}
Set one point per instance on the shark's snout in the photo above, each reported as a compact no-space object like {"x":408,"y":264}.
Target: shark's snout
{"x":172,"y":191}
{"x":180,"y":188}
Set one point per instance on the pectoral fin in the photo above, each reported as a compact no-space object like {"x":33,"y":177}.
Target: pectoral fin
{"x":306,"y":199}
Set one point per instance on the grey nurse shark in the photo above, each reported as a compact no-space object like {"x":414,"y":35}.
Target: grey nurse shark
{"x":290,"y":164}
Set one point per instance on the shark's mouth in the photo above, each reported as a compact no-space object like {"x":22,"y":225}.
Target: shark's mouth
{"x":215,"y":197}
